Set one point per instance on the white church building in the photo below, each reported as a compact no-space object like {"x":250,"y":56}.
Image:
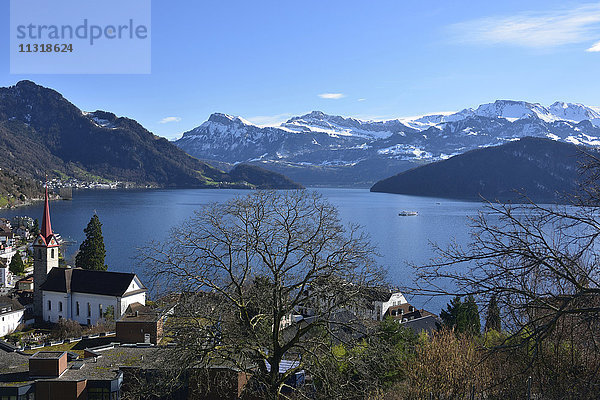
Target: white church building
{"x":85,"y":296}
{"x":78,"y":294}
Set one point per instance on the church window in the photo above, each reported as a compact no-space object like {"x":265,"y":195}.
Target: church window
{"x":39,"y":253}
{"x":100,"y":310}
{"x":77,"y":307}
{"x":60,"y":306}
{"x":52,"y":253}
{"x":89,"y":310}
{"x":49,"y":305}
{"x":89,"y":321}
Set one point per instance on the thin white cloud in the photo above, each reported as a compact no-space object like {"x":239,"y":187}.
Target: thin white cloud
{"x":331,"y":96}
{"x":545,"y":29}
{"x":361,"y":99}
{"x":166,"y":120}
{"x":269,"y":120}
{"x":594,"y":48}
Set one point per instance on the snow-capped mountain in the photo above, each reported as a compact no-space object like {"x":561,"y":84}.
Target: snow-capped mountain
{"x":321,"y":140}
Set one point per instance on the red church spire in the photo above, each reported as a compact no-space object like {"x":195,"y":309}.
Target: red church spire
{"x":46,"y":231}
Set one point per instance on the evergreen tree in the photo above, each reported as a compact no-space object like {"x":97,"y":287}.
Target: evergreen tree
{"x":449,"y":316}
{"x":461,"y":316}
{"x":92,"y":252}
{"x":493,"y":321}
{"x":468,"y":321}
{"x":17,"y":266}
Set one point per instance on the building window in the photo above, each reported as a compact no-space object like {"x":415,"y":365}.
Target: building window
{"x":101,"y":394}
{"x":89,"y":310}
{"x":52,"y":253}
{"x":60,"y":306}
{"x":77,"y":307}
{"x":89,"y":321}
{"x":100,"y":310}
{"x":49,"y":305}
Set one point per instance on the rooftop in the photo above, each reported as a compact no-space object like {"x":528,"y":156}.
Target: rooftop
{"x":48,"y":355}
{"x":137,"y":312}
{"x":79,"y":280}
{"x":8,"y":305}
{"x":14,"y":367}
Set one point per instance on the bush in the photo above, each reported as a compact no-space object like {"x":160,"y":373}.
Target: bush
{"x":66,"y":328}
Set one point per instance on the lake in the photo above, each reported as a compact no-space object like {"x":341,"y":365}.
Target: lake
{"x":132,"y":218}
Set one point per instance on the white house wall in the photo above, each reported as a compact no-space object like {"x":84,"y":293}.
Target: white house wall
{"x":10,"y":321}
{"x":396,"y":299}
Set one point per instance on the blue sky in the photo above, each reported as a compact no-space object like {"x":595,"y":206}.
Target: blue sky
{"x":268,"y":60}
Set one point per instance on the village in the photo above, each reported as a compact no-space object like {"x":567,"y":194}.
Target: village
{"x":76,"y":333}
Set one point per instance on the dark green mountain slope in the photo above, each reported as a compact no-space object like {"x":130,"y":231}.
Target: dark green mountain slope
{"x":16,"y":190}
{"x":542,"y":169}
{"x":41,"y":132}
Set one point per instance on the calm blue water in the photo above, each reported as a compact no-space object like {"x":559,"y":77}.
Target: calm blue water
{"x":133,"y":218}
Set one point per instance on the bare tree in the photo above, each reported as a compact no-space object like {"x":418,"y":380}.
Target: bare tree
{"x":243,"y":268}
{"x":540,"y":263}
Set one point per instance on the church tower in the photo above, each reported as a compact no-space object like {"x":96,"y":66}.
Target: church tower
{"x":45,"y":257}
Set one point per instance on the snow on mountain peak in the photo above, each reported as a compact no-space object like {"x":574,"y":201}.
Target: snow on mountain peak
{"x":334,"y":126}
{"x":575,"y":112}
{"x":513,"y":110}
{"x":226,"y":119}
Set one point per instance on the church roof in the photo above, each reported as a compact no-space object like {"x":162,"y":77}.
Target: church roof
{"x":46,"y":230}
{"x":46,"y":235}
{"x":79,"y":280}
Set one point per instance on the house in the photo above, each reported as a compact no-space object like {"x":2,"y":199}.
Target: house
{"x":85,"y":296}
{"x":25,"y":283}
{"x":417,"y":320}
{"x":142,"y":324}
{"x":6,"y":255}
{"x":12,"y":314}
{"x":373,"y":304}
{"x":382,"y":299}
{"x":7,"y":238}
{"x":24,"y":221}
{"x":22,"y":232}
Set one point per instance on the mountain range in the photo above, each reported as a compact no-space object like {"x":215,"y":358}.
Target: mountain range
{"x":322,"y":149}
{"x":43,"y":133}
{"x":542,"y":169}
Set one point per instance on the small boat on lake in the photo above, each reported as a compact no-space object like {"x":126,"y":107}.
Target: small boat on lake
{"x":408,"y":213}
